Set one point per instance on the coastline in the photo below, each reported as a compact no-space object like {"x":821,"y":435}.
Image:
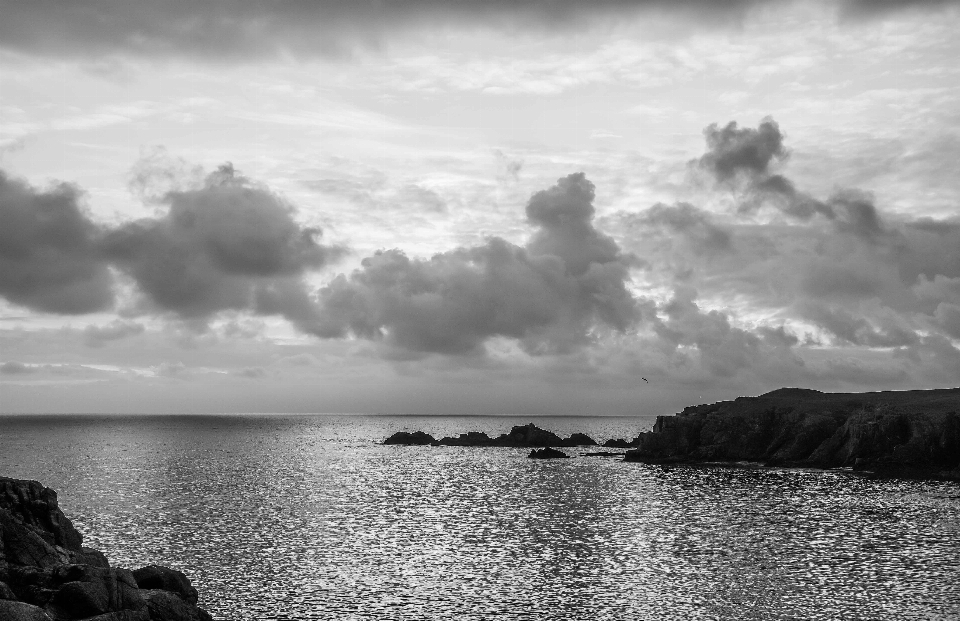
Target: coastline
{"x":913,"y":434}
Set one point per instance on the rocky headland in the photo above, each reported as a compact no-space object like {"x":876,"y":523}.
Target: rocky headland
{"x":46,"y":574}
{"x":908,"y":433}
{"x":902,"y":433}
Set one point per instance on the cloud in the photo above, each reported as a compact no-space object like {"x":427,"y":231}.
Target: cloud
{"x":723,"y":349}
{"x":732,"y":150}
{"x":249,"y":28}
{"x":15,"y":368}
{"x":253,"y":29}
{"x":548,"y":294}
{"x":251,"y":372}
{"x":98,"y":336}
{"x":683,"y":219}
{"x":217,"y":246}
{"x":172,"y":369}
{"x":49,"y":257}
{"x":861,"y":277}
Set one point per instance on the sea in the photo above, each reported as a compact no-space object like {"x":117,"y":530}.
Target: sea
{"x":305,"y":517}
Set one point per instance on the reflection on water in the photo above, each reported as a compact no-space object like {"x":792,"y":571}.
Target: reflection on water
{"x":309,"y":518}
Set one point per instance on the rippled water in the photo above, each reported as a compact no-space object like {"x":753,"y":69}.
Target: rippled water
{"x":308,"y":517}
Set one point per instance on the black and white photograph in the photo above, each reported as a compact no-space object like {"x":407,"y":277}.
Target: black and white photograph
{"x":492,"y":310}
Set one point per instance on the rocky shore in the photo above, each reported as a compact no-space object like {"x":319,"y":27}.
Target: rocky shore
{"x":46,"y":574}
{"x":908,"y":433}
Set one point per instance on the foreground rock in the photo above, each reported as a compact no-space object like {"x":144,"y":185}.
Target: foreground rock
{"x":521,"y":436}
{"x":909,"y":433}
{"x":47,"y":575}
{"x":547,"y":453}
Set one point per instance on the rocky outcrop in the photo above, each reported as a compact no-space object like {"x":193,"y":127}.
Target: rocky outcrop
{"x":909,"y":433}
{"x":547,"y":453}
{"x":417,"y":438}
{"x":47,"y":575}
{"x":521,"y":436}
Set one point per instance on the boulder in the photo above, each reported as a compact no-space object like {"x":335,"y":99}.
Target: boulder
{"x":35,"y":506}
{"x":19,"y":611}
{"x":85,"y":590}
{"x":6,"y":592}
{"x":155,"y":577}
{"x":124,"y":615}
{"x":168,"y":606}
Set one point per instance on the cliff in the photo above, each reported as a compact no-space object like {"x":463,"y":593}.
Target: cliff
{"x":909,"y":433}
{"x":46,"y":574}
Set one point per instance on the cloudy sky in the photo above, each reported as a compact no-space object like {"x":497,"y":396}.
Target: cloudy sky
{"x":442,"y":206}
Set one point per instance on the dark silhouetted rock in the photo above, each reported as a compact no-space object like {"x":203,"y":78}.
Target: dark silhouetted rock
{"x":6,"y":592}
{"x":909,"y":433}
{"x":47,"y":575}
{"x":126,"y":615}
{"x":521,"y":436}
{"x":84,"y":591}
{"x":20,"y":611}
{"x":170,"y":607}
{"x":35,"y":506}
{"x":528,"y":435}
{"x":602,"y":454}
{"x":417,"y":438}
{"x":547,"y":453}
{"x":579,"y":439}
{"x":617,"y":443}
{"x":472,"y":438}
{"x":166,"y":579}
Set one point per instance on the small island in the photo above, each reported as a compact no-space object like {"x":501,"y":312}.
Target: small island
{"x":897,"y":433}
{"x":46,"y":574}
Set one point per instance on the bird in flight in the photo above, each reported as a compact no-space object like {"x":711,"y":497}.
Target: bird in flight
{"x":645,"y":379}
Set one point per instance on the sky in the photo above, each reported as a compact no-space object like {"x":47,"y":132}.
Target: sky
{"x":611,"y":207}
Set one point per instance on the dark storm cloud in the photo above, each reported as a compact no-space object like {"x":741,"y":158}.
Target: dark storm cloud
{"x":548,"y":294}
{"x":243,"y":28}
{"x":732,"y":150}
{"x":216,"y":246}
{"x":248,"y":28}
{"x":856,"y":329}
{"x":49,"y":259}
{"x":744,"y":156}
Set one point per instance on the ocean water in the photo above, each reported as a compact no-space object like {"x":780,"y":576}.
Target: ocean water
{"x":309,"y":517}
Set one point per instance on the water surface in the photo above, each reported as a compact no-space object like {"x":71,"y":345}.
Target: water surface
{"x":309,"y":517}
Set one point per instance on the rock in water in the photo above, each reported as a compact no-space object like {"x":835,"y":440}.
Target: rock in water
{"x":417,"y":438}
{"x":47,"y":575}
{"x":579,"y":439}
{"x":547,"y":453}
